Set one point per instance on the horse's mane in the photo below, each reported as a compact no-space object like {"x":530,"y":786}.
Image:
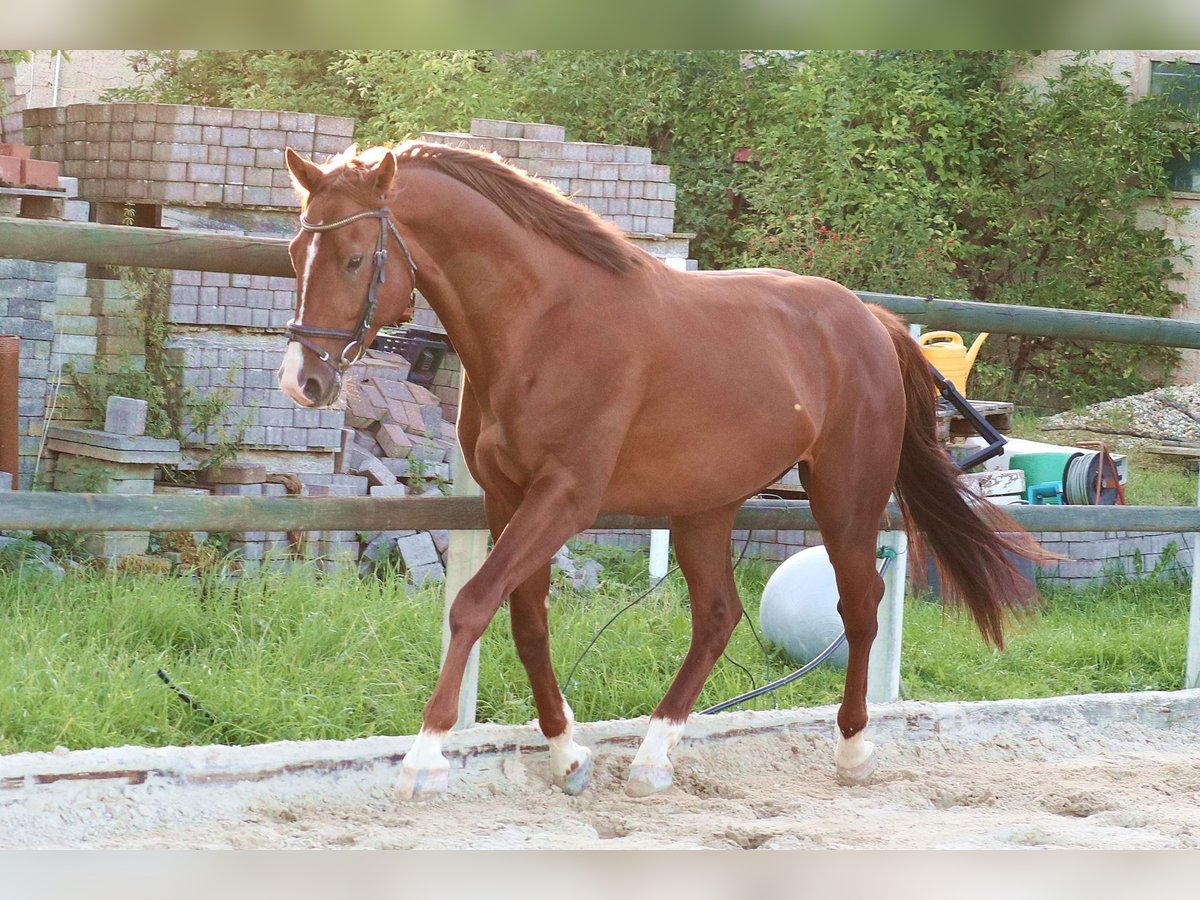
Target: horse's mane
{"x":527,"y":200}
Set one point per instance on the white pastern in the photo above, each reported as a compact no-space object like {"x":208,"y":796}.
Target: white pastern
{"x":852,"y":752}
{"x":570,"y":763}
{"x":661,"y":738}
{"x":425,"y":772}
{"x":652,"y":770}
{"x":289,"y":374}
{"x":854,"y":759}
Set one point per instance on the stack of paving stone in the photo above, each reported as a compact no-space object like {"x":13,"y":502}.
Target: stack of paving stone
{"x":399,"y":444}
{"x":162,"y":153}
{"x":120,"y":459}
{"x":250,"y":480}
{"x":27,"y":292}
{"x":620,"y":183}
{"x":194,"y":168}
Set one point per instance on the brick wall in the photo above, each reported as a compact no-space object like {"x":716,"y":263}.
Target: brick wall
{"x":1092,"y":557}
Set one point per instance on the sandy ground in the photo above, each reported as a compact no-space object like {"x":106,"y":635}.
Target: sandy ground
{"x":1077,"y":773}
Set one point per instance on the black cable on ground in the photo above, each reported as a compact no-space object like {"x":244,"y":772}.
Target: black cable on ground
{"x":742,"y":555}
{"x":186,"y":697}
{"x":887,"y":554}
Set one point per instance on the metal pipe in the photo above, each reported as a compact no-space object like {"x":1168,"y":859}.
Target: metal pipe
{"x":10,"y":390}
{"x":57,"y":77}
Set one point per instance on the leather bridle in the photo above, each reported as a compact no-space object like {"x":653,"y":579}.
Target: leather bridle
{"x":355,"y":340}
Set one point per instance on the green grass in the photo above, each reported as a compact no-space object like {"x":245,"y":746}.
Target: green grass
{"x":305,"y":657}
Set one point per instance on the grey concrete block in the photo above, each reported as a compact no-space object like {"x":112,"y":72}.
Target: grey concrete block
{"x":417,"y":550}
{"x":389,"y":490}
{"x":431,"y":571}
{"x":125,"y":415}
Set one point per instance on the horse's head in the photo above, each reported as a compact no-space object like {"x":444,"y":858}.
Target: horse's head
{"x":354,"y":272}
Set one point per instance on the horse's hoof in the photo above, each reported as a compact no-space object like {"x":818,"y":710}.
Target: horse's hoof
{"x":574,"y":781}
{"x":423,"y":784}
{"x":647,"y":780}
{"x":859,"y":774}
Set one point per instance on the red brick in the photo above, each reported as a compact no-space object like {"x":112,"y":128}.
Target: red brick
{"x":38,"y":173}
{"x":20,"y":151}
{"x":10,"y":170}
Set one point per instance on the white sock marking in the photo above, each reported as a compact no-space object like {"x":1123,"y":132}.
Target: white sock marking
{"x":564,"y":752}
{"x":852,"y":752}
{"x":426,"y":751}
{"x":661,"y":738}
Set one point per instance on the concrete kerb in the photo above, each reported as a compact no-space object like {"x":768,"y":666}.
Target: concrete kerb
{"x":137,"y":786}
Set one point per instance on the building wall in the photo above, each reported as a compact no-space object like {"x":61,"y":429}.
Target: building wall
{"x":83,"y":77}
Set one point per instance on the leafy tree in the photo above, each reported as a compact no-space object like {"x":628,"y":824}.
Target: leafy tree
{"x":940,"y":173}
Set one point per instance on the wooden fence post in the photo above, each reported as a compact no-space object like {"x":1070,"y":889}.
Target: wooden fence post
{"x":1192,"y":676}
{"x":466,"y":554}
{"x":883,"y":669}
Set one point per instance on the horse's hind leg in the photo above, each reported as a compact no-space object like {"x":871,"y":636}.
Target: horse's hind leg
{"x":570,"y":763}
{"x":848,"y":500}
{"x":702,"y":550}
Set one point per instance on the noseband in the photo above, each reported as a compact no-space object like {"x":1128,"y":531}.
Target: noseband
{"x":355,"y":340}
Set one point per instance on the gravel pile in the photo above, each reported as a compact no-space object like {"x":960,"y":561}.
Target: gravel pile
{"x":1155,"y":415}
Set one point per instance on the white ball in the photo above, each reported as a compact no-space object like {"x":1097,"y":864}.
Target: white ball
{"x":799,"y":608}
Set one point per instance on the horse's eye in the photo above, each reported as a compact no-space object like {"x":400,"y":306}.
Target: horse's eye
{"x":353,"y":263}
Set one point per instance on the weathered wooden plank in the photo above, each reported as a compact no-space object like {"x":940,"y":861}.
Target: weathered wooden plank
{"x":120,"y":245}
{"x":176,"y":249}
{"x":163,"y":512}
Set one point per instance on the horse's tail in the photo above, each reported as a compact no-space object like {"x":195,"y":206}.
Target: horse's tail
{"x":972,"y":542}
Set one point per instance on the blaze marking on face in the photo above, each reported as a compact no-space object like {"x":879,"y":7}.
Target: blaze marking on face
{"x":293,"y":357}
{"x":289,"y":374}
{"x":308,"y":264}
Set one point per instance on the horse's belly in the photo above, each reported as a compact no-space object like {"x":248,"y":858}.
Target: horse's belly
{"x":703,"y":469}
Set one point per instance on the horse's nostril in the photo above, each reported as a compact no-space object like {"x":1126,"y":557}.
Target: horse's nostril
{"x":313,"y":389}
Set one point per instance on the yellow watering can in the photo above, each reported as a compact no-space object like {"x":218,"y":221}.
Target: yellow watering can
{"x":947,"y":353}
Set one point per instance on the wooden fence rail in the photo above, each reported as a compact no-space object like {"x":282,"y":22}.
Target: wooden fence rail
{"x":53,"y":511}
{"x":118,"y":245}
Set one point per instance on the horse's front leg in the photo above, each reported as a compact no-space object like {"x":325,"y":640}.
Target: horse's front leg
{"x":553,"y":510}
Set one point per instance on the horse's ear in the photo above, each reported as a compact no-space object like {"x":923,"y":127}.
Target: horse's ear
{"x":384,"y":173}
{"x":305,"y":173}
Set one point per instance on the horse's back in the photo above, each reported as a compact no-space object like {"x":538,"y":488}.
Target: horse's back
{"x":746,"y":371}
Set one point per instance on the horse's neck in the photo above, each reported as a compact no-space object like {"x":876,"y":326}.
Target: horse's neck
{"x":479,"y":276}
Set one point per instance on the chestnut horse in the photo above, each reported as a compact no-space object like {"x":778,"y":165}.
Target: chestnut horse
{"x":599,"y":380}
